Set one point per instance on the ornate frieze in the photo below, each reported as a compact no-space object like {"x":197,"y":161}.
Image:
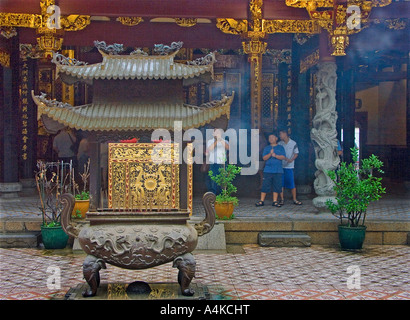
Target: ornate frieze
{"x":186,"y":22}
{"x":130,"y":21}
{"x":291,"y":26}
{"x":74,"y":22}
{"x":25,"y":20}
{"x":232,"y":26}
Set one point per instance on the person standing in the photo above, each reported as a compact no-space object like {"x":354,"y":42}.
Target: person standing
{"x":216,"y":152}
{"x":292,"y":152}
{"x":262,"y":144}
{"x":272,"y":154}
{"x":64,"y":146}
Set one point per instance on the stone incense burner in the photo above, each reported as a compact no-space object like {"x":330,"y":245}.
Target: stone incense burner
{"x":138,"y":240}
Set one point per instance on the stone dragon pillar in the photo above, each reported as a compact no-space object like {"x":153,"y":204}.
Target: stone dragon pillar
{"x":323,"y":133}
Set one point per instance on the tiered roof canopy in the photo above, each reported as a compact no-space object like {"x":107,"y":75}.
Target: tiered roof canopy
{"x":135,"y":67}
{"x":134,"y":92}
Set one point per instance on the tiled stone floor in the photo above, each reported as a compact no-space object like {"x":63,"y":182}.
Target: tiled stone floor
{"x":316,"y":272}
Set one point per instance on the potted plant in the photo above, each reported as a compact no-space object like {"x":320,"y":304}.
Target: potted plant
{"x":225,"y":202}
{"x":82,"y":199}
{"x":53,"y":179}
{"x":356,"y":186}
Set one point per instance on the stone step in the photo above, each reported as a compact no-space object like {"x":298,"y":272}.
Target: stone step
{"x":283,"y":239}
{"x":19,"y":240}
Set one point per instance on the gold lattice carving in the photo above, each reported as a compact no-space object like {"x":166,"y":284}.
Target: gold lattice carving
{"x":130,"y":21}
{"x":186,"y":22}
{"x":20,"y":20}
{"x":75,"y":22}
{"x":232,"y":26}
{"x":137,"y":181}
{"x":291,"y":26}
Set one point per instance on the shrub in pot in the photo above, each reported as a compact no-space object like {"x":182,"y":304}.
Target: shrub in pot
{"x":82,"y":199}
{"x":225,"y":202}
{"x":53,"y":179}
{"x":356,"y":186}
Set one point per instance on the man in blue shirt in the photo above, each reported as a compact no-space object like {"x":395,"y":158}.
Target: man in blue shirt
{"x":273,"y":154}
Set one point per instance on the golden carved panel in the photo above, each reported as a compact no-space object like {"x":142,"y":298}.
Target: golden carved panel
{"x":291,"y":26}
{"x":20,"y":20}
{"x":138,"y":181}
{"x":130,"y":21}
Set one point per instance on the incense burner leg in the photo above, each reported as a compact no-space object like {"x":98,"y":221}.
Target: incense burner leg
{"x":186,"y":265}
{"x":91,"y":271}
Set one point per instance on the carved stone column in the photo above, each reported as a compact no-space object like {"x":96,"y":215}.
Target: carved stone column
{"x":324,"y":134}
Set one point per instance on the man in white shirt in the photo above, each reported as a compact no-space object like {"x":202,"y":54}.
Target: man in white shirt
{"x":216,"y":154}
{"x":292,"y":152}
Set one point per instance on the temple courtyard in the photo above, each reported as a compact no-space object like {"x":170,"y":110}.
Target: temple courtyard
{"x":243,"y":270}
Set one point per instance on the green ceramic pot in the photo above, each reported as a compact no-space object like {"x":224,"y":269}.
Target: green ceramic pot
{"x":351,"y":238}
{"x":54,"y":237}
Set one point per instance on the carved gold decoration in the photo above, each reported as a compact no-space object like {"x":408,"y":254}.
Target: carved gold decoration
{"x":49,"y":38}
{"x":311,"y":4}
{"x":255,"y":8}
{"x":130,"y":21}
{"x":309,"y":61}
{"x":5,"y":59}
{"x":117,"y":291}
{"x":50,"y":42}
{"x":232,"y":26}
{"x":340,"y":14}
{"x":339,"y":41}
{"x":332,"y":16}
{"x":20,"y":20}
{"x":186,"y":22}
{"x":136,"y":181}
{"x":74,"y":22}
{"x":161,"y":293}
{"x":254,"y":47}
{"x":291,"y":26}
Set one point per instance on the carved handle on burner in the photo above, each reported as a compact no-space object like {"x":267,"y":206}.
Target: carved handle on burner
{"x":204,"y":227}
{"x":68,"y":201}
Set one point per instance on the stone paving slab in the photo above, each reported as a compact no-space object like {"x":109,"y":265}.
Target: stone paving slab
{"x":253,"y":273}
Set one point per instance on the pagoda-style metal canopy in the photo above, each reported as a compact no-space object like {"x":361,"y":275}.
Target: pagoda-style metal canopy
{"x":134,"y":92}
